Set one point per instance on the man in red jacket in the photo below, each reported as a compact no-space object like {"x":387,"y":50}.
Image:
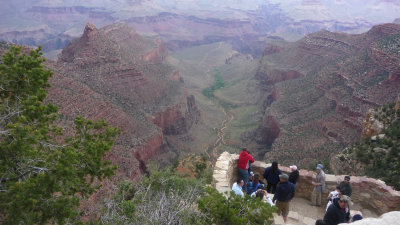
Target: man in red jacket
{"x":245,"y":159}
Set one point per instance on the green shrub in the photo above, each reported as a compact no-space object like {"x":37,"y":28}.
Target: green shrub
{"x":44,"y":173}
{"x":234,"y":209}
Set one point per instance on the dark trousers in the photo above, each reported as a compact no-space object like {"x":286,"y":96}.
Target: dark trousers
{"x":271,"y":188}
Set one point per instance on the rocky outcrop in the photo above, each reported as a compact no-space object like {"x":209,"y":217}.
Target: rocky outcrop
{"x":268,"y":131}
{"x":271,"y":77}
{"x":125,"y":71}
{"x":397,"y":106}
{"x":114,"y":74}
{"x":390,"y":218}
{"x":372,"y":126}
{"x":179,"y":118}
{"x":157,"y":55}
{"x":370,"y":193}
{"x":343,"y":164}
{"x":272,"y":49}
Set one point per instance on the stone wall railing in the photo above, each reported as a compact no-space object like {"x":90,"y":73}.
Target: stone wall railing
{"x":368,"y":192}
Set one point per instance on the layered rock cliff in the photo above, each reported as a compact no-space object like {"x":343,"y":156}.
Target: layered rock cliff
{"x":245,"y":26}
{"x":319,"y":89}
{"x":377,"y":154}
{"x":116,"y":74}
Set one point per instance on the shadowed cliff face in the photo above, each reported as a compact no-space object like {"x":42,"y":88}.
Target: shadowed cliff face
{"x":323,"y":85}
{"x":115,"y":74}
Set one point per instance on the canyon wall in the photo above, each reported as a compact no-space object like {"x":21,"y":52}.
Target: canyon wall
{"x":119,"y":76}
{"x":370,"y":193}
{"x":318,"y":90}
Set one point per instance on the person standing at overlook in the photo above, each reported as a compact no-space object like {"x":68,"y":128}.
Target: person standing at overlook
{"x":294,"y":175}
{"x":284,"y":193}
{"x":271,"y":174}
{"x":319,"y":186}
{"x":245,"y":159}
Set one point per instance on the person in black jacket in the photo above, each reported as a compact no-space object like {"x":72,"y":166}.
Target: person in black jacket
{"x":337,"y":213}
{"x":271,"y":174}
{"x":283,"y":194}
{"x":294,"y":175}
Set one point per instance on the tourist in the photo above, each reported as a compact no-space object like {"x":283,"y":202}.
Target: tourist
{"x":237,"y":187}
{"x":337,"y":211}
{"x":262,"y":195}
{"x":345,"y":186}
{"x":245,"y":159}
{"x":319,"y":186}
{"x":284,"y":193}
{"x":333,"y":195}
{"x":271,"y":174}
{"x":254,"y":185}
{"x":294,"y":175}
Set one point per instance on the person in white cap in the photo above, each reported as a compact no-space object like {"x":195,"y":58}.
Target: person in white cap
{"x":294,"y":175}
{"x":319,"y":186}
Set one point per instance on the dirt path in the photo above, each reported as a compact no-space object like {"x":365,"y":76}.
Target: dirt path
{"x":213,"y":152}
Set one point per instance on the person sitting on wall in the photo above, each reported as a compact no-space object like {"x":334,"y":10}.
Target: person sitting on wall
{"x":336,"y":212}
{"x":345,"y":186}
{"x":254,"y":185}
{"x":237,"y":187}
{"x":333,"y":195}
{"x":271,"y":174}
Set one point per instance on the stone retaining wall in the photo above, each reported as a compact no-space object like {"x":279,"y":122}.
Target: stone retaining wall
{"x":369,"y":193}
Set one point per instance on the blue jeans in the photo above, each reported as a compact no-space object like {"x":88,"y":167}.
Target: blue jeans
{"x":244,"y":175}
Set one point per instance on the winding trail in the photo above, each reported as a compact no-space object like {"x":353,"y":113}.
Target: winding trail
{"x":213,"y":152}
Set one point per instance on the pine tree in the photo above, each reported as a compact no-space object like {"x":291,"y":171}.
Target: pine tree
{"x":43,"y":173}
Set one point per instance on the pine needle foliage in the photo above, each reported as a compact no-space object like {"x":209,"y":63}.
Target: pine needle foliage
{"x":44,"y":173}
{"x":234,"y":210}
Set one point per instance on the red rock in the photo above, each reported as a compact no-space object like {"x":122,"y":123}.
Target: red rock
{"x":114,"y":74}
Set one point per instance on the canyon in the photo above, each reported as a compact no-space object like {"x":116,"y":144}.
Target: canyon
{"x":297,"y":88}
{"x":247,"y":27}
{"x":115,"y":74}
{"x":317,"y":90}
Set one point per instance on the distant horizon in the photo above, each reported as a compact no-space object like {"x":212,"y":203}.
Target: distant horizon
{"x":54,"y":23}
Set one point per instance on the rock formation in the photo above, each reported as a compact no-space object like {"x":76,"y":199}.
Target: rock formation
{"x":377,"y":145}
{"x":326,"y":83}
{"x":115,"y":74}
{"x":246,"y":26}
